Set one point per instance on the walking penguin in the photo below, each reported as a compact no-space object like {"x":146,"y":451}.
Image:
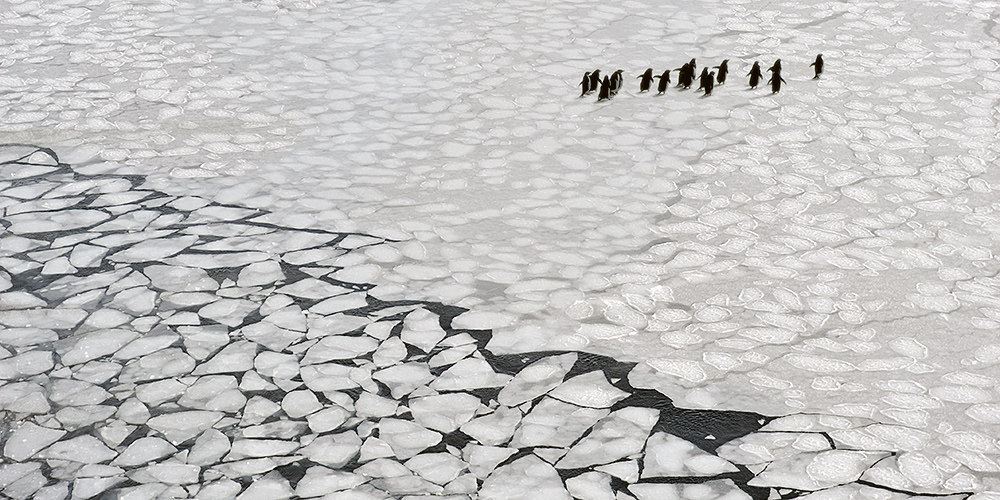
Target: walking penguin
{"x":595,"y":80}
{"x":755,"y":75}
{"x":647,"y":80}
{"x":776,"y":81}
{"x":685,"y":75}
{"x":818,"y":66}
{"x":585,"y":84}
{"x":703,"y":78}
{"x":709,"y":83}
{"x":723,"y":71}
{"x":664,"y":81}
{"x":605,"y":92}
{"x":616,"y":82}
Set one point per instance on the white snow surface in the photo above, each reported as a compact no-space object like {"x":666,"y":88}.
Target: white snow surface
{"x":827,"y":249}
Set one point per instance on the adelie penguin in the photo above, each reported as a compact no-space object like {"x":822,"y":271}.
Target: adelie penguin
{"x":755,"y":75}
{"x":595,"y":80}
{"x":616,"y":82}
{"x":685,"y":75}
{"x":818,"y":66}
{"x":706,"y":81}
{"x":585,"y":84}
{"x":703,"y":78}
{"x":605,"y":92}
{"x":664,"y":81}
{"x":723,"y":71}
{"x":647,"y":80}
{"x":776,"y":81}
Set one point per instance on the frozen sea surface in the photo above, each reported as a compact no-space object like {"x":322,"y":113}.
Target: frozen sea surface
{"x":829,"y":249}
{"x":163,"y":346}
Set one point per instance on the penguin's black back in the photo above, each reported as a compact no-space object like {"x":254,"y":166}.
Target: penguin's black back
{"x":755,"y":75}
{"x":775,"y":81}
{"x":723,"y":70}
{"x":818,"y":65}
{"x":647,"y":80}
{"x":605,"y":89}
{"x":664,"y":81}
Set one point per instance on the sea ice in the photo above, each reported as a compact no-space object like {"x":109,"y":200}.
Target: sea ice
{"x":27,"y":364}
{"x":144,"y":450}
{"x":536,"y":379}
{"x":371,"y":405}
{"x":298,"y":404}
{"x":438,"y":468}
{"x":554,"y":423}
{"x":524,"y":479}
{"x":208,"y":448}
{"x":333,"y":450}
{"x":29,"y":439}
{"x":335,"y":347}
{"x":328,"y":419}
{"x":670,"y":456}
{"x":494,"y":429}
{"x":407,"y":439}
{"x":181,"y":426}
{"x":467,"y":374}
{"x":235,"y":357}
{"x":618,"y":435}
{"x":422,"y":329}
{"x":444,"y":412}
{"x":591,"y":486}
{"x":403,"y":379}
{"x":84,"y":449}
{"x":590,"y":390}
{"x":256,"y":448}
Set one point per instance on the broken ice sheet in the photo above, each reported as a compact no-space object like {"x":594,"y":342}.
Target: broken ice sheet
{"x":670,"y":456}
{"x":618,"y":435}
{"x":536,"y":379}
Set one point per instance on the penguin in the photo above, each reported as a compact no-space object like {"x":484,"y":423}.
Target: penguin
{"x":616,"y":82}
{"x":585,"y":84}
{"x":776,"y":81}
{"x":605,"y":92}
{"x":647,"y":80}
{"x":776,"y":67}
{"x":684,"y":76}
{"x":595,"y":80}
{"x":703,"y":78}
{"x":709,"y":83}
{"x":755,"y":75}
{"x":723,"y":71}
{"x":664,"y":81}
{"x":818,"y":66}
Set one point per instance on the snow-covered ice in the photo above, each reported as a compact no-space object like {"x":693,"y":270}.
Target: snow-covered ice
{"x":312,"y":222}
